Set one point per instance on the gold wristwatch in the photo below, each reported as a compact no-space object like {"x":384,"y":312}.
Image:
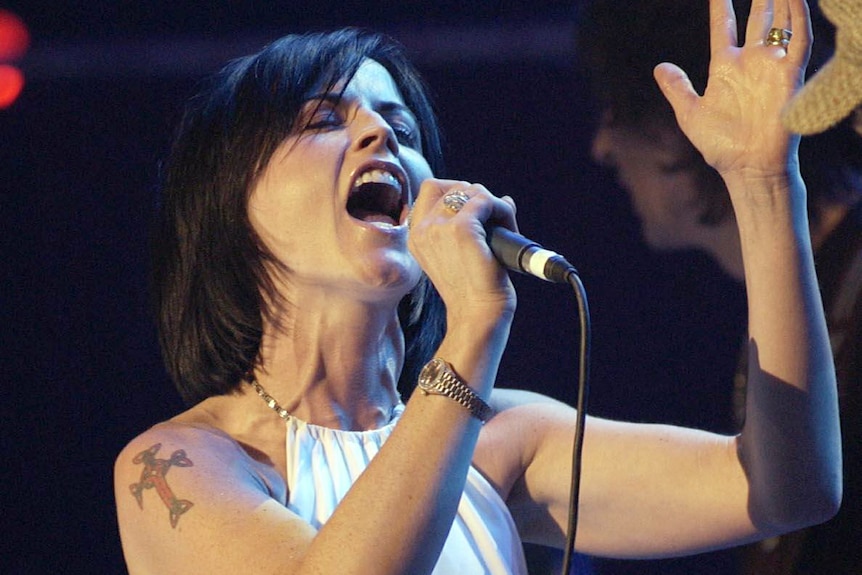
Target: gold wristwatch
{"x":438,"y":378}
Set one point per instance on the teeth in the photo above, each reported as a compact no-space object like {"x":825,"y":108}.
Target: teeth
{"x":377,"y":176}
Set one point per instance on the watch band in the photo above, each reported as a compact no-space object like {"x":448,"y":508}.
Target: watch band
{"x":438,"y":378}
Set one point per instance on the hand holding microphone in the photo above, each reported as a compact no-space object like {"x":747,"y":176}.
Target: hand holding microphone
{"x":515,"y":251}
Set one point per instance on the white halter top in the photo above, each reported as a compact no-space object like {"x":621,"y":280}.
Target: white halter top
{"x":323,"y":463}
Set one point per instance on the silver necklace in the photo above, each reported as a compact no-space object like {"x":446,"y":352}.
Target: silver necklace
{"x":269,"y":400}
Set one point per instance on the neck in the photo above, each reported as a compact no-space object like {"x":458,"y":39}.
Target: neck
{"x":828,"y":218}
{"x":337,"y":366}
{"x":722,"y":243}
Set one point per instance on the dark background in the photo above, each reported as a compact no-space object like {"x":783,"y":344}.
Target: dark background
{"x":79,"y":151}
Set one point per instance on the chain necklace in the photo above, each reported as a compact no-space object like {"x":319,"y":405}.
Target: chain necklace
{"x":282,"y":412}
{"x":269,"y":400}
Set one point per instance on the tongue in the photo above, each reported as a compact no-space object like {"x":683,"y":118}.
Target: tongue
{"x":369,"y":216}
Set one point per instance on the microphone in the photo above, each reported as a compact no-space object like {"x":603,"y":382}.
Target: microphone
{"x":526,"y":256}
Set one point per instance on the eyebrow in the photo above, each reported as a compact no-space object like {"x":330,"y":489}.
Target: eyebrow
{"x":384,"y":107}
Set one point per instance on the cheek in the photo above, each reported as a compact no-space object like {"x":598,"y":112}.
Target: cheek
{"x":684,"y":190}
{"x":267,"y":221}
{"x":653,"y":195}
{"x":646,"y":203}
{"x":282,"y":215}
{"x":417,"y":169}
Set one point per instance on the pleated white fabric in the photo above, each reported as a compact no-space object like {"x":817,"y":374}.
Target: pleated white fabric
{"x":323,"y":463}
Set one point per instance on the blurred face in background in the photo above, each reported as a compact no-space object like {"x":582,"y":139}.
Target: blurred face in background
{"x":655,"y":168}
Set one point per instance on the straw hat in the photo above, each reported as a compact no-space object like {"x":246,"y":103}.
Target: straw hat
{"x":836,"y":89}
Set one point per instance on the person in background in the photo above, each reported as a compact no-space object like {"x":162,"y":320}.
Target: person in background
{"x":312,"y":268}
{"x":682,"y":204}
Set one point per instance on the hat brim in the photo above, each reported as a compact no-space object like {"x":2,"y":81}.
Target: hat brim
{"x":826,"y":99}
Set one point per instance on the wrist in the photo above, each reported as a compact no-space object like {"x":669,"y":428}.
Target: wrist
{"x":439,"y":378}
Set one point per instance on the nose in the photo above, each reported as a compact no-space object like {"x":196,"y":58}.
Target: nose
{"x":600,"y":147}
{"x":373,"y":130}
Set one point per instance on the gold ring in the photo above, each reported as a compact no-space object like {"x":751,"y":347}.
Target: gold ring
{"x":455,"y":200}
{"x":778,"y":37}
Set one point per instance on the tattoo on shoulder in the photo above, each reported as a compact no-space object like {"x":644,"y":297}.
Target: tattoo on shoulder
{"x":153,"y":477}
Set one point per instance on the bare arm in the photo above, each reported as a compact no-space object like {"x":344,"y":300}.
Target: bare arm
{"x":651,"y":490}
{"x":790,"y":444}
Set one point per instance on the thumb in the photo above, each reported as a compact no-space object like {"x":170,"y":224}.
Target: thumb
{"x":677,"y":89}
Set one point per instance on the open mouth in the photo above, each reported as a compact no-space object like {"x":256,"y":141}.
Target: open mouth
{"x":376,"y":197}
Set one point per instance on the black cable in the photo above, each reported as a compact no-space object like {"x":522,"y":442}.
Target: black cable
{"x":583,"y":392}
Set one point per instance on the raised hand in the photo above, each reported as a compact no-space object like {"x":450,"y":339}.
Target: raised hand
{"x":735,"y":124}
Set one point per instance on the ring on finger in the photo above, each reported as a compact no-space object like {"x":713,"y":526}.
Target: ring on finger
{"x":778,"y":37}
{"x":454,"y":200}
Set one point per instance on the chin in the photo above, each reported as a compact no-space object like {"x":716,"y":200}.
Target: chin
{"x":662,"y":242}
{"x":396,"y":273}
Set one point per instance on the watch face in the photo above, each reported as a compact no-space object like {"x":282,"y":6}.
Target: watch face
{"x":430,"y":372}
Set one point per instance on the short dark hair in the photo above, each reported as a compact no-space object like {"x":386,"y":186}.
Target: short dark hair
{"x":619,"y":43}
{"x":211,"y":281}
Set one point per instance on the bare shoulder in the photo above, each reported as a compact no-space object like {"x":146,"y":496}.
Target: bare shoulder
{"x":173,"y":444}
{"x":174,"y":483}
{"x":150,"y":473}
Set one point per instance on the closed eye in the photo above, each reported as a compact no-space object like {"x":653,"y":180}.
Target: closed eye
{"x":324,"y":112}
{"x":402,"y":121}
{"x":407,"y":135}
{"x":322,"y":116}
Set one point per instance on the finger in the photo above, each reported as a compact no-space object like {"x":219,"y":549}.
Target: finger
{"x":430,"y":193}
{"x":781,"y":15}
{"x":781,"y":21}
{"x":433,"y":189}
{"x":486,"y":208}
{"x":455,"y":200}
{"x":503,"y":213}
{"x":799,"y":49}
{"x":759,"y":22}
{"x":511,"y":201}
{"x":722,"y":25}
{"x":677,"y":89}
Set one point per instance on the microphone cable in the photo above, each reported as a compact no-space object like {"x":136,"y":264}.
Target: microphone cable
{"x":523,"y":255}
{"x":583,"y":395}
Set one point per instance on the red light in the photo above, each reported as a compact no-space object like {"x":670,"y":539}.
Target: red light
{"x":14,"y":37}
{"x":11,"y":84}
{"x":14,"y":42}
